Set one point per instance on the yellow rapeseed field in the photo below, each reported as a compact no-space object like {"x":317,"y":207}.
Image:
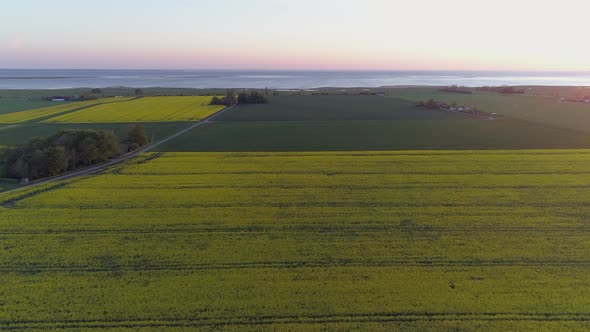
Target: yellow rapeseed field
{"x":39,"y":113}
{"x":147,"y":109}
{"x":378,"y":241}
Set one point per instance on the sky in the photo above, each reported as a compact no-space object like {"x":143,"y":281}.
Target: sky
{"x":296,"y":34}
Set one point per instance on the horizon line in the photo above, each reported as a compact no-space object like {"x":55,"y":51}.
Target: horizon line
{"x":318,"y":70}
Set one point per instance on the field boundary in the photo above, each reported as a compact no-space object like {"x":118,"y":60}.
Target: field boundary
{"x":352,"y":317}
{"x":304,"y":228}
{"x":79,"y":268}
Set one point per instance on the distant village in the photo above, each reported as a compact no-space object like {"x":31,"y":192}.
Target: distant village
{"x":446,"y":107}
{"x":578,"y":100}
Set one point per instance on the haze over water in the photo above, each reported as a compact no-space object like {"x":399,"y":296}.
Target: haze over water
{"x":59,"y":79}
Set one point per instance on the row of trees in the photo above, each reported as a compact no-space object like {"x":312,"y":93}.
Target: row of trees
{"x":507,"y":90}
{"x":456,"y":89}
{"x":66,"y":150}
{"x":253,"y":97}
{"x":230,"y":98}
{"x":227,"y":100}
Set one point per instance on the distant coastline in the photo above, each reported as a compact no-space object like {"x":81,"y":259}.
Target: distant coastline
{"x":207,"y":79}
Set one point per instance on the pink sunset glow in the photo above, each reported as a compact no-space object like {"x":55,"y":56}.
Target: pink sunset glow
{"x":286,"y":35}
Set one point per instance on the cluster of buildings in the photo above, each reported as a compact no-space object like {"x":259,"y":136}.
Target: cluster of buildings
{"x":580,"y":100}
{"x":443,"y":106}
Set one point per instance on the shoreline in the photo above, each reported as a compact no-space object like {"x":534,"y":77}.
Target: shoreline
{"x":63,"y":79}
{"x":306,"y":89}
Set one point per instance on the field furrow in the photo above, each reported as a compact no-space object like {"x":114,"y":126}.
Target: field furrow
{"x":338,"y":240}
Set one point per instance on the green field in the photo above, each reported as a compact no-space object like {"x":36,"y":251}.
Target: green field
{"x":11,"y":105}
{"x":327,"y":123}
{"x":341,"y":240}
{"x":148,"y":109}
{"x":334,"y":108}
{"x":335,"y":122}
{"x":457,"y":230}
{"x":8,"y":184}
{"x":544,"y":109}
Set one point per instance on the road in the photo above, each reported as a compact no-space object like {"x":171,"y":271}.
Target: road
{"x":121,"y":159}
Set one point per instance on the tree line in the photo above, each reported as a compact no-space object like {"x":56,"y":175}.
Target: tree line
{"x":67,"y":150}
{"x":230,"y":98}
{"x":456,"y":89}
{"x":507,"y":90}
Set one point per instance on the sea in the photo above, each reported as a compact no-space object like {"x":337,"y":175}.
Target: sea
{"x":95,"y":78}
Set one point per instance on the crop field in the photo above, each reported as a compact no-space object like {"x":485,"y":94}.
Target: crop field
{"x":375,"y":135}
{"x":45,"y":112}
{"x":545,"y":109}
{"x":334,"y":108}
{"x":8,"y":184}
{"x":11,"y":105}
{"x":414,"y":240}
{"x":328,"y":123}
{"x":148,"y":109}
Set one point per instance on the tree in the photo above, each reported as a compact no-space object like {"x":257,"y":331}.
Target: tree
{"x":67,"y":149}
{"x":20,"y":169}
{"x":136,"y":137}
{"x":431,"y":104}
{"x":253,"y":98}
{"x":139,"y":92}
{"x":230,"y":97}
{"x":215,"y":101}
{"x":89,"y":152}
{"x":228,"y":100}
{"x":110,"y":146}
{"x":96,"y":90}
{"x":57,"y":161}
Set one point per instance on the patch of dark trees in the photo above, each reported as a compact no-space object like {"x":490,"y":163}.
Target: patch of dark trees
{"x":507,"y":90}
{"x":67,"y":150}
{"x":254,"y":97}
{"x":228,"y":100}
{"x":456,"y":89}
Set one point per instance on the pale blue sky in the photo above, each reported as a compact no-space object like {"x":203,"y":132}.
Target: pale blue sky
{"x":303,"y":34}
